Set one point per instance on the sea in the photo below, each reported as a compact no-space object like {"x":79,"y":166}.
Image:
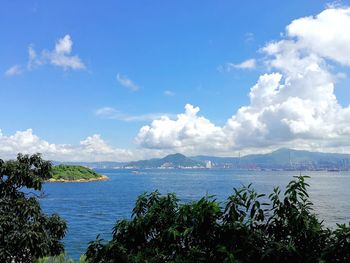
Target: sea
{"x":93,"y":208}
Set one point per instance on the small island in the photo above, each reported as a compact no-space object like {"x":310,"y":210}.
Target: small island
{"x":74,"y":173}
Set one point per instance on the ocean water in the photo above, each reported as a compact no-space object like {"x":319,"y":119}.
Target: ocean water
{"x":93,"y":208}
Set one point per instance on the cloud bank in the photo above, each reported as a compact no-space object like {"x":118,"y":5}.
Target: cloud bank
{"x":92,"y":148}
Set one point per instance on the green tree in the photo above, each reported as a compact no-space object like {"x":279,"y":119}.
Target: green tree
{"x":26,"y":233}
{"x":249,"y":227}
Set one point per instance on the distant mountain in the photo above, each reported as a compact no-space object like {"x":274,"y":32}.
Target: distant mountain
{"x":279,"y":159}
{"x":282,"y":159}
{"x":170,"y":161}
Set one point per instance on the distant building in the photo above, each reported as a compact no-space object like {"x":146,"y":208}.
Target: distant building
{"x":167,"y":165}
{"x":208,"y":164}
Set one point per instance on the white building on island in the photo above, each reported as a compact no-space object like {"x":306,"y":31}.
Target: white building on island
{"x":208,"y":164}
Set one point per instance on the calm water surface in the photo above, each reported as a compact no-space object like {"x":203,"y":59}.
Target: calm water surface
{"x":93,"y":208}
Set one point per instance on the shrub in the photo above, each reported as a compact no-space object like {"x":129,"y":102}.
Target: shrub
{"x":26,"y":233}
{"x":244,"y":229}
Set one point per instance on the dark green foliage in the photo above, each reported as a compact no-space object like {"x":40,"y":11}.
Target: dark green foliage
{"x":338,"y":249}
{"x":60,"y":259}
{"x":73,"y":172}
{"x":25,"y":232}
{"x":244,"y":229}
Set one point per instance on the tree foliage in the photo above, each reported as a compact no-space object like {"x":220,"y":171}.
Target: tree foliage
{"x":26,"y":233}
{"x":249,"y":227}
{"x":73,"y":172}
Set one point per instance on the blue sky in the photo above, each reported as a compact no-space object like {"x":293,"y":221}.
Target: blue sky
{"x":138,"y":61}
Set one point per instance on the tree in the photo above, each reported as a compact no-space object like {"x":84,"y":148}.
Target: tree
{"x":244,"y":229}
{"x":26,"y":233}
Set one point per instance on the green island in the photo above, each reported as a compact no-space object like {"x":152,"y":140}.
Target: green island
{"x":74,"y":173}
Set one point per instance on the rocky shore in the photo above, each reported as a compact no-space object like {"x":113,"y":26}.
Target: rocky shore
{"x":102,"y":178}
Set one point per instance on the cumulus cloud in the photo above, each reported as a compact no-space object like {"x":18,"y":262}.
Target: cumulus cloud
{"x":127,"y":83}
{"x":93,"y":148}
{"x":60,"y":56}
{"x":293,"y":105}
{"x":325,"y":34}
{"x":188,"y":133}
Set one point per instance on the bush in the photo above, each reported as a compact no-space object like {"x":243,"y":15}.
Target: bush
{"x":245,"y":229}
{"x":26,"y":233}
{"x":248,"y":227}
{"x":73,"y":172}
{"x":60,"y":259}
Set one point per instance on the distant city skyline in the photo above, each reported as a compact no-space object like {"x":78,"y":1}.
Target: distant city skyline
{"x":122,"y":81}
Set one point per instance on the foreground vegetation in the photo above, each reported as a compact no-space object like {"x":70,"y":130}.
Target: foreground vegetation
{"x":26,"y":233}
{"x":61,"y":259}
{"x":248,"y":227}
{"x":73,"y":173}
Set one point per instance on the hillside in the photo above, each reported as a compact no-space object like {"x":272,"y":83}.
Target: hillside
{"x":67,"y":173}
{"x":170,"y":161}
{"x":283,"y":159}
{"x":280,"y":159}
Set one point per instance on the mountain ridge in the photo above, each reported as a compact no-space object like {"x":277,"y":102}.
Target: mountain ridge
{"x":282,"y":158}
{"x":176,"y":160}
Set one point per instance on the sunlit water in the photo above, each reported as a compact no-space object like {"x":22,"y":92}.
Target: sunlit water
{"x":93,"y":208}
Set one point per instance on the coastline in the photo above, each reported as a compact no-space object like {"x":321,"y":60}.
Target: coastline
{"x":102,"y":178}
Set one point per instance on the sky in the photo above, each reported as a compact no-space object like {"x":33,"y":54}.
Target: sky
{"x":128,"y":80}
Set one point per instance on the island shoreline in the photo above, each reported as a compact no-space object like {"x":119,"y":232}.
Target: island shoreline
{"x":102,"y":178}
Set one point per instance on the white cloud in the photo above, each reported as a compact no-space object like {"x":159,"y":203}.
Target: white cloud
{"x":247,"y":64}
{"x":249,"y":37}
{"x":60,"y":56}
{"x":326,"y":34}
{"x":292,"y":106}
{"x":169,"y":93}
{"x":93,"y":148}
{"x":127,"y":83}
{"x":188,"y":133}
{"x":111,"y":113}
{"x":14,"y":70}
{"x":32,"y":58}
{"x":64,"y":45}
